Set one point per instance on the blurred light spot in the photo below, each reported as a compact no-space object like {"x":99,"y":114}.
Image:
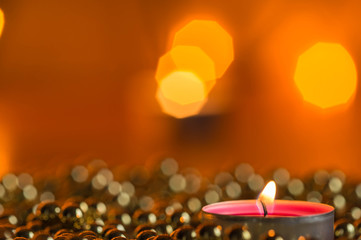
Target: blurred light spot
{"x":356,"y":213}
{"x":169,"y":210}
{"x":126,"y":219}
{"x":24,"y":179}
{"x":211,"y":196}
{"x":35,"y":207}
{"x":271,"y":233}
{"x":246,"y":235}
{"x":358,"y":190}
{"x":10,"y":181}
{"x":193,"y":183}
{"x":211,"y":38}
{"x":243,"y":172}
{"x":99,"y":182}
{"x":296,"y":187}
{"x":340,"y":175}
{"x":79,"y":174}
{"x":101,"y":207}
{"x":217,"y":231}
{"x":2,"y":21}
{"x":281,"y":176}
{"x":223,"y":178}
{"x":97,"y":164}
{"x":152,"y":218}
{"x":2,"y":191}
{"x":185,"y":218}
{"x":114,"y":188}
{"x":128,"y":187}
{"x":335,"y":185}
{"x":194,"y":204}
{"x":314,"y":196}
{"x":1,"y":209}
{"x":146,"y":203}
{"x":13,"y":220}
{"x":30,"y":192}
{"x":183,"y":88}
{"x":255,"y":183}
{"x":187,"y":59}
{"x":47,"y":196}
{"x":120,"y":227}
{"x":177,"y":110}
{"x":123,"y":199}
{"x":177,"y":183}
{"x":321,"y":177}
{"x":233,"y":190}
{"x":84,"y":206}
{"x":107,"y":174}
{"x":326,"y":75}
{"x":169,"y":166}
{"x":339,"y":201}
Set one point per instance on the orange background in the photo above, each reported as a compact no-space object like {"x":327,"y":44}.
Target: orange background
{"x":77,"y":81}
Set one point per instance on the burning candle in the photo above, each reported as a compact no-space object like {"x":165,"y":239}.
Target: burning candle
{"x":289,"y":219}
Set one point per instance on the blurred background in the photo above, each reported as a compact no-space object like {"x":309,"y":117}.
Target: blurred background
{"x":77,"y":82}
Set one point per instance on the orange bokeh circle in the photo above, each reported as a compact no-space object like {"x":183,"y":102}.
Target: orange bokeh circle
{"x":326,"y":75}
{"x":211,"y":38}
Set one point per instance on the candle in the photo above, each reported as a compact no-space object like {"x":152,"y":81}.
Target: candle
{"x":289,"y":219}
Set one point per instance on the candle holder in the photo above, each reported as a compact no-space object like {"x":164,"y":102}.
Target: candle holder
{"x":290,"y":219}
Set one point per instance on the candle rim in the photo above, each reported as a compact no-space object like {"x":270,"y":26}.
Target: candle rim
{"x":326,"y":211}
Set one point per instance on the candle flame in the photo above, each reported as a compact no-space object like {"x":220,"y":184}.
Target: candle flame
{"x":268,"y":194}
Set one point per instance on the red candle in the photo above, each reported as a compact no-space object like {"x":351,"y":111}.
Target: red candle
{"x":290,"y":219}
{"x":281,"y":208}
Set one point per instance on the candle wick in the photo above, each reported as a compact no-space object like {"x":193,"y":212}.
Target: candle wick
{"x":265,"y":212}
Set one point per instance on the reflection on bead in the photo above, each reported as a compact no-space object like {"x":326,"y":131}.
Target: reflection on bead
{"x":42,"y":236}
{"x":162,"y":237}
{"x":141,"y":217}
{"x":343,"y":228}
{"x":113,"y":233}
{"x":209,"y":231}
{"x":238,"y":232}
{"x":184,"y":233}
{"x":162,"y":227}
{"x":142,"y":227}
{"x":146,"y":234}
{"x":24,"y":232}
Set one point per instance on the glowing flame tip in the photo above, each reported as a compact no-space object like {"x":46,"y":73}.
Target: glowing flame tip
{"x":268,"y":194}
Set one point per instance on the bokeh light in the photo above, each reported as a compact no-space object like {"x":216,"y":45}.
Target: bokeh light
{"x":326,"y":75}
{"x":2,"y":21}
{"x":177,"y":110}
{"x":201,"y":52}
{"x":183,"y":88}
{"x":211,"y":38}
{"x":188,"y":59}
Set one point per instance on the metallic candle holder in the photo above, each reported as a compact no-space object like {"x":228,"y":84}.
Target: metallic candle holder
{"x":289,"y":219}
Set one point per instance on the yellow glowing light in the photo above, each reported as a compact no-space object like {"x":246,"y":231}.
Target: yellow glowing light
{"x":268,"y":194}
{"x":176,"y":110}
{"x":183,"y":88}
{"x":187,"y":59}
{"x":211,"y":38}
{"x":271,"y":233}
{"x":326,"y":75}
{"x":2,"y":21}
